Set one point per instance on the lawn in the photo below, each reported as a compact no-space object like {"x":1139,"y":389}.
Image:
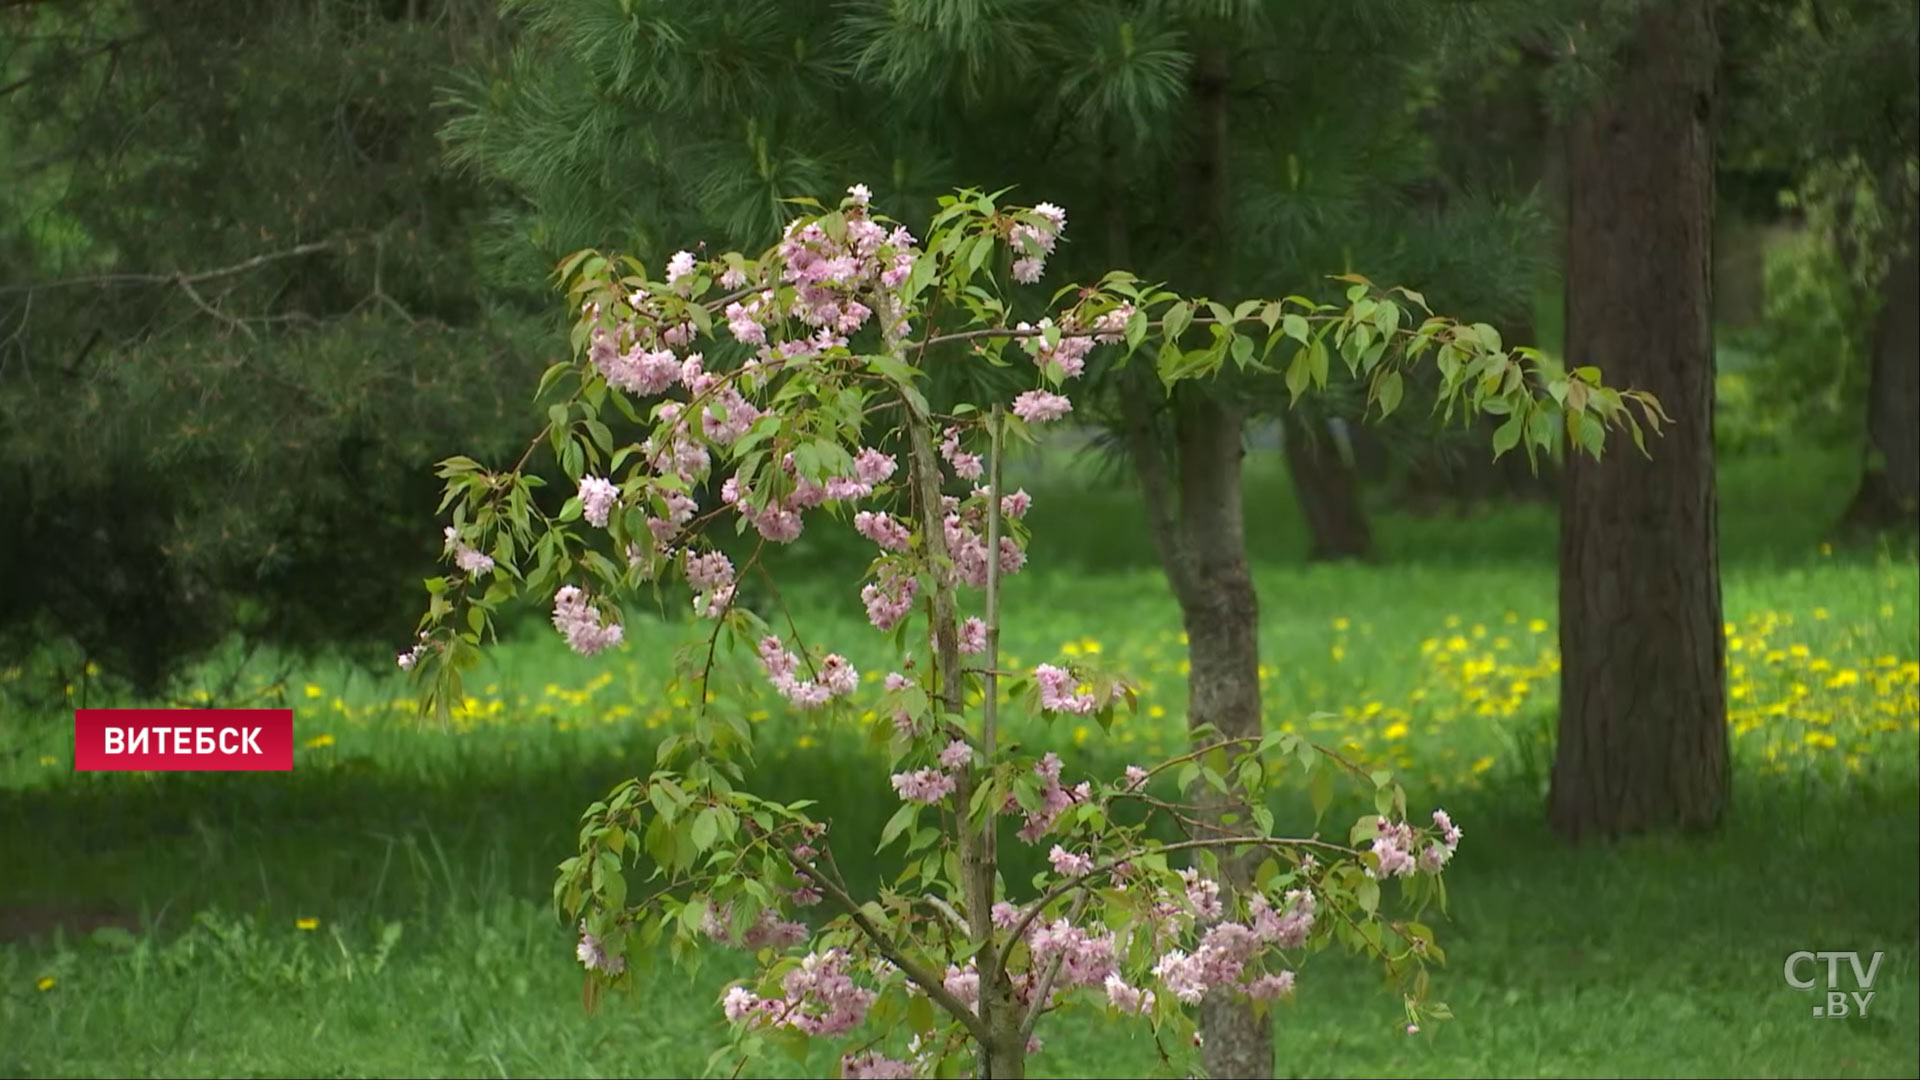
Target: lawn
{"x":382,"y":911}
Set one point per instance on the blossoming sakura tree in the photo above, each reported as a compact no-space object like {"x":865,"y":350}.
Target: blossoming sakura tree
{"x":787,"y":374}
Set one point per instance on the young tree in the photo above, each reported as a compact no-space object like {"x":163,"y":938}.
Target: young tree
{"x":634,"y":128}
{"x":1643,"y":740}
{"x":828,"y":339}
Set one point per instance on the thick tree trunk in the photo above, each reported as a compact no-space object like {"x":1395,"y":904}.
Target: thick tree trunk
{"x":1220,"y":611}
{"x":1327,"y":490}
{"x":1210,"y":573}
{"x":1889,"y":494}
{"x":1643,"y":720}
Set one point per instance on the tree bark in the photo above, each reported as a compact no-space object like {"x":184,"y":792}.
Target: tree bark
{"x":1327,"y":490}
{"x":1889,"y":493}
{"x":1210,"y":574}
{"x":1643,"y":739}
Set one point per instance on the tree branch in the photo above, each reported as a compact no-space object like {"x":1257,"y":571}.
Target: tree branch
{"x":923,"y":978}
{"x":180,"y":278}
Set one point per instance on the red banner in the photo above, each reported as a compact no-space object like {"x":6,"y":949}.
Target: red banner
{"x":183,"y":740}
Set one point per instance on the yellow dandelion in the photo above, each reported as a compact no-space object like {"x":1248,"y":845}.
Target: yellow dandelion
{"x":1156,"y":711}
{"x":1821,"y":740}
{"x":315,"y":692}
{"x":1482,"y":765}
{"x":805,"y":742}
{"x":1538,"y":626}
{"x":319,"y":742}
{"x":306,"y":922}
{"x":49,"y":759}
{"x":44,"y":983}
{"x":1826,"y":549}
{"x":1339,"y":653}
{"x":1340,"y":623}
{"x":1395,"y":730}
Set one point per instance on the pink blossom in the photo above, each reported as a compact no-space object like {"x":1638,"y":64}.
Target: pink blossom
{"x":956,"y":756}
{"x":1287,"y":928}
{"x":1394,"y":849}
{"x":470,"y":561}
{"x":874,"y":1066}
{"x":1027,"y":271}
{"x":1040,"y":407}
{"x":860,"y":194}
{"x":889,"y":598}
{"x":739,"y":1004}
{"x":963,"y":983}
{"x":1268,"y":987}
{"x":576,"y":619}
{"x":709,"y":571}
{"x":1136,"y":777}
{"x":594,"y":958}
{"x":1059,"y":691}
{"x":897,"y":681}
{"x":923,"y":785}
{"x":1085,"y":959}
{"x":597,"y":496}
{"x":1203,"y":895}
{"x":883,"y":529}
{"x":966,"y":466}
{"x":873,"y":467}
{"x":838,"y":676}
{"x":1016,"y":504}
{"x":1449,"y":832}
{"x":1068,"y":864}
{"x":734,"y":278}
{"x":1127,"y":999}
{"x":973,"y":636}
{"x":680,"y":267}
{"x":1005,"y":915}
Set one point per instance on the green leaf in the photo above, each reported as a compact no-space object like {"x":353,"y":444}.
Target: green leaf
{"x":1295,"y":327}
{"x":898,"y":823}
{"x":1175,"y":322}
{"x":1317,"y":360}
{"x":1390,"y":391}
{"x":1367,"y":894}
{"x":1320,"y":790}
{"x":1507,"y":436}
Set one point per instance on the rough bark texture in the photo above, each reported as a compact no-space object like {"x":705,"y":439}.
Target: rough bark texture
{"x":1212,"y":581}
{"x":1220,"y":611}
{"x":1327,"y":490}
{"x":1643,"y":721}
{"x":1889,"y":494}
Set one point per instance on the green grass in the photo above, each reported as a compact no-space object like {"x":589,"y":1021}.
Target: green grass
{"x":426,"y":858}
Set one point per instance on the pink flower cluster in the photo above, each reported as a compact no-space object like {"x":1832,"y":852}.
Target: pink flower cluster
{"x":1054,"y":799}
{"x":890,"y":596}
{"x":923,"y":785}
{"x":964,"y":529}
{"x":1065,"y":359}
{"x":1069,"y":864}
{"x":821,"y":999}
{"x":873,"y":1065}
{"x":973,"y":636}
{"x":711,"y":576}
{"x":1040,"y":407}
{"x":769,"y":930}
{"x":1085,"y":959}
{"x":594,"y":957}
{"x":965,"y":466}
{"x":471,"y":562}
{"x":1436,"y":856}
{"x":576,"y":619}
{"x":883,"y":529}
{"x":1060,"y":691}
{"x":829,"y":275}
{"x":1033,"y":243}
{"x":597,"y":496}
{"x":837,"y":677}
{"x":1287,"y":928}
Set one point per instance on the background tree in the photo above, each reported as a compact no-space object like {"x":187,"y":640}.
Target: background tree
{"x":238,"y":321}
{"x":1643,"y":740}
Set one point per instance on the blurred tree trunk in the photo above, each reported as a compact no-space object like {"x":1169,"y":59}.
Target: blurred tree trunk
{"x":1643,"y":721}
{"x":1327,"y":489}
{"x":1889,"y":493}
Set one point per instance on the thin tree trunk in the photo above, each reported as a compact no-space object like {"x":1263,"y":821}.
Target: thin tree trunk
{"x":1889,"y":493}
{"x":1327,"y":490}
{"x":1643,"y":720}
